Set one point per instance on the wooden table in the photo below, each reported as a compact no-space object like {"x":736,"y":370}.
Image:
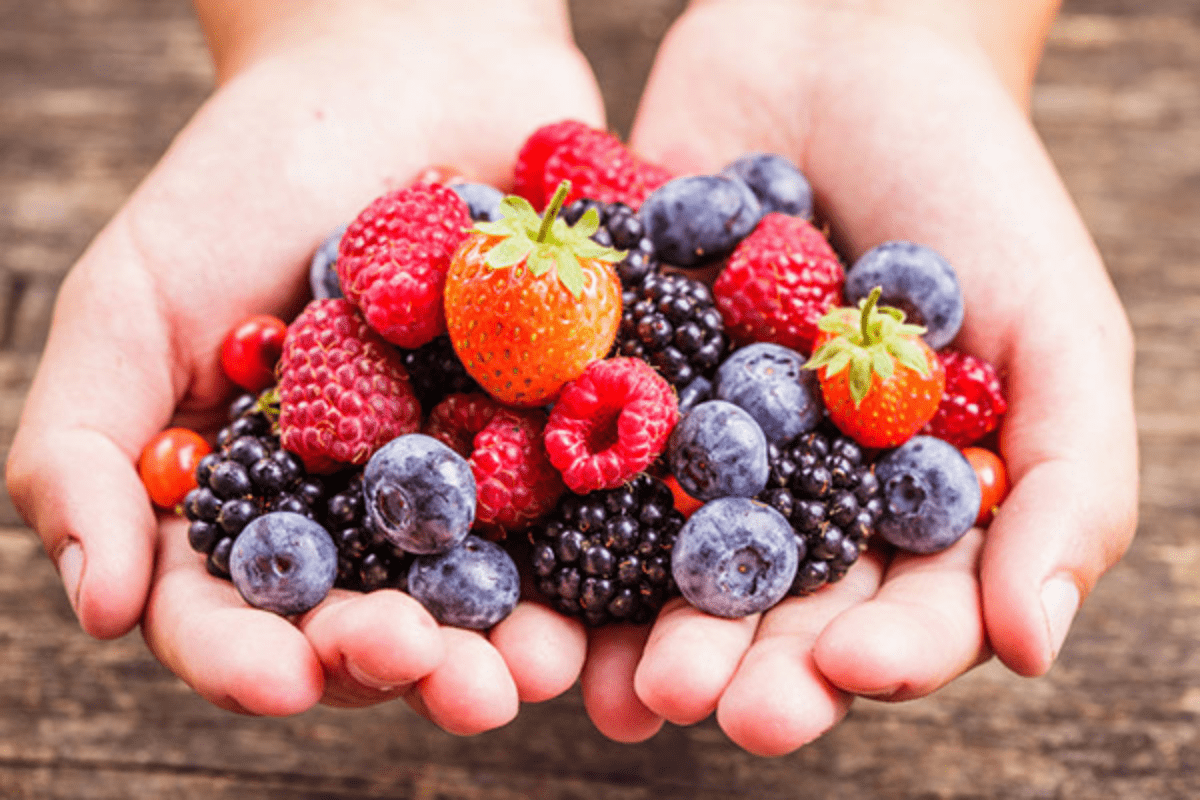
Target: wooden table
{"x":91,"y":92}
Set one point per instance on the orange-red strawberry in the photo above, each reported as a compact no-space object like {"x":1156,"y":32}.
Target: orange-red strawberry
{"x":880,"y":381}
{"x":531,"y":301}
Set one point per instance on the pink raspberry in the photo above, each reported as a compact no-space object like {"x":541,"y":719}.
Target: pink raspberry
{"x":610,"y":423}
{"x":343,"y":391}
{"x":972,"y":403}
{"x":778,"y":283}
{"x":515,"y":483}
{"x":393,"y":259}
{"x":458,"y":417}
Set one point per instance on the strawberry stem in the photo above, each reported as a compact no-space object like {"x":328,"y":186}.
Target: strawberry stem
{"x":552,"y":209}
{"x":867,"y":309}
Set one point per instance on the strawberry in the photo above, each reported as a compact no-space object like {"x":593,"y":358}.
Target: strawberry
{"x":880,"y":381}
{"x":596,"y":162}
{"x":778,"y":283}
{"x":531,"y":301}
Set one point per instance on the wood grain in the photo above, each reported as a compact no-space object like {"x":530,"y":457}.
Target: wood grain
{"x":91,"y":92}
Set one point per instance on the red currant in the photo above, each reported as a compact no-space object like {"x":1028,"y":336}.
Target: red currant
{"x":167,"y":465}
{"x":251,"y":349}
{"x":993,"y":481}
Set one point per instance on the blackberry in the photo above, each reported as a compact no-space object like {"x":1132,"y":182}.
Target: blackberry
{"x":365,"y":562}
{"x":622,"y":228}
{"x":247,"y":476}
{"x":825,"y":484}
{"x":669,"y":320}
{"x":435,"y":371}
{"x":606,"y":556}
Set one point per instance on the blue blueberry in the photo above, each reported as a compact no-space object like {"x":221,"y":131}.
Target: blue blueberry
{"x":718,"y":450}
{"x":419,"y":494}
{"x":776,"y":182}
{"x":769,"y":381}
{"x":917,"y":280}
{"x":735,"y":557}
{"x":474,"y":585}
{"x":322,"y":272}
{"x":283,"y":562}
{"x":930,"y":495}
{"x":483,"y":201}
{"x":696,"y":392}
{"x":699,"y":219}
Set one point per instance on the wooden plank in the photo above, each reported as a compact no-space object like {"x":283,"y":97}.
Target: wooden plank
{"x":92,"y":92}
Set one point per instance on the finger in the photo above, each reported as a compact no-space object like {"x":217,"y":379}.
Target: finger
{"x":373,"y":646}
{"x":101,"y":391}
{"x":544,"y":650}
{"x":689,"y":659}
{"x":779,"y":700}
{"x":471,"y":691}
{"x":236,"y":657}
{"x":607,"y":684}
{"x":923,"y":628}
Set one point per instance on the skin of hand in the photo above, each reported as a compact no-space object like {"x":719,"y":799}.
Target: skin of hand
{"x":911,"y":124}
{"x":320,"y":107}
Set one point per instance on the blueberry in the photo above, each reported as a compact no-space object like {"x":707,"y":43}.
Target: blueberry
{"x":769,"y":381}
{"x":915,"y":279}
{"x":699,"y":219}
{"x":776,"y":182}
{"x":419,"y":494}
{"x":696,"y":392}
{"x":283,"y":562}
{"x":718,"y":450}
{"x":735,"y":557}
{"x":930,"y":493}
{"x":473,"y":585}
{"x":322,"y":271}
{"x":483,"y":201}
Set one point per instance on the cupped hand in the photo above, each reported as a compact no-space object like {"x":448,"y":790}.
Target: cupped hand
{"x":319,"y":108}
{"x":908,"y":128}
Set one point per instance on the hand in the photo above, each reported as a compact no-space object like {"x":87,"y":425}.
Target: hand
{"x":320,"y":108}
{"x":910,"y":127}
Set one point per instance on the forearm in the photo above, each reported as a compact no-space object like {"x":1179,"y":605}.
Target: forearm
{"x":240,"y":32}
{"x":1009,"y":33}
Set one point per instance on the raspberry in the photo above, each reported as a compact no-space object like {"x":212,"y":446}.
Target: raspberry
{"x":596,"y":162}
{"x":610,"y":423}
{"x":393,"y":258}
{"x":515,"y":483}
{"x":778,"y":283}
{"x":343,"y":392}
{"x":972,"y":403}
{"x":458,"y":418}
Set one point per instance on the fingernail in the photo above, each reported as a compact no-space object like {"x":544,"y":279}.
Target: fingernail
{"x":1060,"y":601}
{"x":70,"y":570}
{"x":370,"y":681}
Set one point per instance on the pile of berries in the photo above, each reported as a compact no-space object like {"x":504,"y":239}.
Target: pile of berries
{"x":638,"y":385}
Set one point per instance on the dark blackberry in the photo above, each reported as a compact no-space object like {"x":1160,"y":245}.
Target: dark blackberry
{"x":435,"y":371}
{"x":248,"y":475}
{"x":825,"y":484}
{"x":606,"y":556}
{"x":365,"y":562}
{"x":669,"y":320}
{"x":622,"y":228}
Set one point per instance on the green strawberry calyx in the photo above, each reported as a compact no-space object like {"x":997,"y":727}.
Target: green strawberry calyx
{"x":869,"y":344}
{"x":546,"y":240}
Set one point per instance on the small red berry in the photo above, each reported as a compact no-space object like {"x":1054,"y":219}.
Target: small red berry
{"x":972,"y":403}
{"x":251,"y":350}
{"x":993,"y":481}
{"x":167,"y":465}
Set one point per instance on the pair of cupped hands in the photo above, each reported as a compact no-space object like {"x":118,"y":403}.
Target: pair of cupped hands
{"x":906,"y":130}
